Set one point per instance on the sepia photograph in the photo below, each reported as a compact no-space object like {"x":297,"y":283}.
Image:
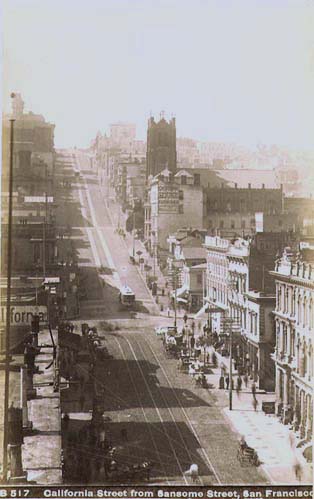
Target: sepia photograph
{"x":157,"y":249}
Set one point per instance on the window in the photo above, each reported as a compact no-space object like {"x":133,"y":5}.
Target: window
{"x":252,"y":221}
{"x":199,"y":279}
{"x":181,"y":209}
{"x":221,"y":224}
{"x":197,"y":179}
{"x":210,"y":224}
{"x":183,"y":179}
{"x":232,"y":225}
{"x":181,"y":195}
{"x":280,"y":223}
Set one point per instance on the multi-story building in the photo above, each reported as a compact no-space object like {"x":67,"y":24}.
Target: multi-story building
{"x":187,"y":253}
{"x":232,"y":210}
{"x":37,"y":250}
{"x":238,"y":284}
{"x":161,"y":147}
{"x":172,"y":204}
{"x":216,"y":283}
{"x":294,"y":316}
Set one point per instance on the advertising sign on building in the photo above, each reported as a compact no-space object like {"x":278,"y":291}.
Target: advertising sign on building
{"x":38,"y":199}
{"x":23,"y":315}
{"x":168,"y":198}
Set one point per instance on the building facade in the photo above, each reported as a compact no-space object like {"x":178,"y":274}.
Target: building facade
{"x":171,"y":206}
{"x":294,"y":317}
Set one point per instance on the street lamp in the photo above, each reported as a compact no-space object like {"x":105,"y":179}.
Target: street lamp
{"x":175,"y":270}
{"x":232,"y":285}
{"x":133,"y":249}
{"x":8,"y":308}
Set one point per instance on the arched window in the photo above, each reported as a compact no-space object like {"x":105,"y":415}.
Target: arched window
{"x":310,"y":373}
{"x":294,"y":297}
{"x":305,"y":360}
{"x":299,"y":318}
{"x":304,"y":311}
{"x":311,"y":313}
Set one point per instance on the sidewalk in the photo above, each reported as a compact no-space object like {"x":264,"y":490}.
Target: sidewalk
{"x":41,"y":451}
{"x":139,"y":246}
{"x":265,"y":433}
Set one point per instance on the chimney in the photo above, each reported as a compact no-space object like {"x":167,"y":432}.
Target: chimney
{"x":263,"y":186}
{"x":249,"y":186}
{"x":235,"y":185}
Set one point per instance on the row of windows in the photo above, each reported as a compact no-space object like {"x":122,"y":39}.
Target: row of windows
{"x":288,"y":301}
{"x":287,"y":344}
{"x":223,"y":224}
{"x":242,"y":205}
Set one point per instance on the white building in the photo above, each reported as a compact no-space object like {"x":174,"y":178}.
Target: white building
{"x":294,"y":317}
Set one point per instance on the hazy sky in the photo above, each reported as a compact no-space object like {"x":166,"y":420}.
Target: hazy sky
{"x":237,"y":70}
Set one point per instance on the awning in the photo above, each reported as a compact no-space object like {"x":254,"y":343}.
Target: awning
{"x":180,"y":291}
{"x":182,"y":300}
{"x":205,"y":310}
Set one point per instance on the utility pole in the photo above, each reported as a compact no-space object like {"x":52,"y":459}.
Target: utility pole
{"x":133,"y":250}
{"x":175,"y":299}
{"x":230,"y":366}
{"x":44,"y":223}
{"x":8,"y":310}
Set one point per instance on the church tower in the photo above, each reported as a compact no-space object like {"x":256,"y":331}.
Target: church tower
{"x":161,"y":146}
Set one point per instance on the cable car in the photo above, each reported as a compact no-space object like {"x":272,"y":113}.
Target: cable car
{"x":126,"y":296}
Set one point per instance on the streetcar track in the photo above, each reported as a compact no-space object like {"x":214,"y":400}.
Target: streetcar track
{"x":157,"y":410}
{"x":185,"y":414}
{"x":184,"y":446}
{"x":142,"y":408}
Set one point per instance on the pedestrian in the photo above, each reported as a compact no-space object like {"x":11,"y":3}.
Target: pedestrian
{"x":227,"y":381}
{"x":254,"y":389}
{"x":66,"y":421}
{"x":193,"y":326}
{"x":255,"y":404}
{"x":163,"y":292}
{"x":192,"y":472}
{"x":246,"y":380}
{"x":166,"y":284}
{"x":297,"y":469}
{"x":239,"y":383}
{"x":192,"y":342}
{"x":185,"y":318}
{"x":168,"y":312}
